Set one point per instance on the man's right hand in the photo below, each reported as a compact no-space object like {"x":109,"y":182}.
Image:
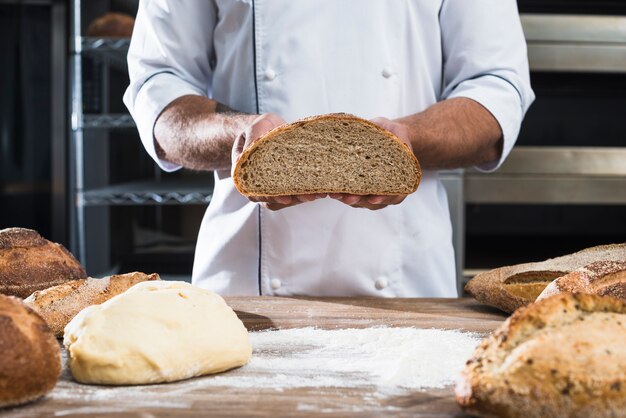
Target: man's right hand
{"x":260,"y":126}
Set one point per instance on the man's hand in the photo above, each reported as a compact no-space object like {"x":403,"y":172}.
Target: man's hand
{"x":254,"y":131}
{"x":376,"y":202}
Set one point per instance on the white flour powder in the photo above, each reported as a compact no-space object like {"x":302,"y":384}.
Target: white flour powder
{"x":386,"y":358}
{"x":376,"y":362}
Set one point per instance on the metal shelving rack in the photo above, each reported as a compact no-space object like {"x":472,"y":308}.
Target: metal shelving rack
{"x":112,"y":53}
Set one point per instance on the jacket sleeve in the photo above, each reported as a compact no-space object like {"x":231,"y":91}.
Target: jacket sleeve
{"x":169,"y":57}
{"x":485,"y":59}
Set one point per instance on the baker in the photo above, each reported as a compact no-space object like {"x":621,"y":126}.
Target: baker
{"x":449,"y":77}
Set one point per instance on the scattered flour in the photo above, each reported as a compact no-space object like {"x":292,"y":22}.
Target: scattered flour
{"x":375,"y":362}
{"x":386,"y":358}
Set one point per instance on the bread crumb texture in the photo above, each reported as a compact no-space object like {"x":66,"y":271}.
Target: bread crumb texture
{"x":335,"y":153}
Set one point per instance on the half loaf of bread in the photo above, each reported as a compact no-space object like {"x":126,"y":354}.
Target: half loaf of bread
{"x":564,"y":356}
{"x":604,"y":278}
{"x":29,"y":262}
{"x":58,"y":305}
{"x":511,"y":287}
{"x":30,"y":356}
{"x":335,"y":153}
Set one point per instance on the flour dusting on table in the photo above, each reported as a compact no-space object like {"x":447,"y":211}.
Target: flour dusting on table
{"x":373,"y":364}
{"x":392,"y":358}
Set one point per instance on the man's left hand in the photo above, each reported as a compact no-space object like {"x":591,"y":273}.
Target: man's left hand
{"x":375,"y":202}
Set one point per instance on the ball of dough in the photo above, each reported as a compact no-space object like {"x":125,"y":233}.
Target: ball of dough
{"x":156,"y":332}
{"x":30,"y":356}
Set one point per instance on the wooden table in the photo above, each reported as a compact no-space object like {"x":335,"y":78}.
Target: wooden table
{"x":70,"y":399}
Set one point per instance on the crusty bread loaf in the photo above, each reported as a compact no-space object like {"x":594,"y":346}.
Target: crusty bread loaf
{"x":30,"y":356}
{"x":604,"y":278}
{"x":511,"y":287}
{"x":336,"y":153}
{"x":112,"y":24}
{"x":560,"y":357}
{"x":29,"y":262}
{"x":58,"y":305}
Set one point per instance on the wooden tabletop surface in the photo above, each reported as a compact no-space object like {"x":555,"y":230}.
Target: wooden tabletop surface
{"x":193,"y":398}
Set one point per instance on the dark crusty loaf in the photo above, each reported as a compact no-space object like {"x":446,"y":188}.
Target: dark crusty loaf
{"x":30,"y":356}
{"x":58,"y":305}
{"x":511,"y":287}
{"x":604,"y":278}
{"x":29,"y":262}
{"x":564,"y":356}
{"x":336,"y":153}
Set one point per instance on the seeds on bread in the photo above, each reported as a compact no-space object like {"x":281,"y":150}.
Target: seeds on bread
{"x":564,"y":356}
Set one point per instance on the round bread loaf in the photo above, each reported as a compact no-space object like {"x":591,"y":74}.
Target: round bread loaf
{"x":564,"y":356}
{"x":30,"y":356}
{"x":29,"y":262}
{"x":114,"y":25}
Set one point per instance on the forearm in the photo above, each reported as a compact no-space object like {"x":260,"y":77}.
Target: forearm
{"x":198,"y":133}
{"x":454,"y":133}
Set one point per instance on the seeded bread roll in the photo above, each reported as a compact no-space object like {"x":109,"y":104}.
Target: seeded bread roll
{"x":58,"y":305}
{"x":564,"y":356}
{"x":30,"y":356}
{"x":336,"y":153}
{"x":508,"y":288}
{"x":604,"y":278}
{"x":29,"y":262}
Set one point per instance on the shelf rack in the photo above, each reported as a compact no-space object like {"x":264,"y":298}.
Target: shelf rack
{"x":111,"y":54}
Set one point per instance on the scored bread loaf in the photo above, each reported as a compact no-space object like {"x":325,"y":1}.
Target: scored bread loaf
{"x":58,"y":305}
{"x":30,"y":356}
{"x":29,"y":262}
{"x":335,"y":153}
{"x":508,"y":288}
{"x":604,"y":278}
{"x":564,"y":356}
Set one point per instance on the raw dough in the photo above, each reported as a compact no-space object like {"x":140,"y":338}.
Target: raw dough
{"x":156,"y":332}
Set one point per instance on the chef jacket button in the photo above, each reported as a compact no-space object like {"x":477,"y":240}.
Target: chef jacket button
{"x":381,"y":283}
{"x":387,"y":72}
{"x":276,"y":284}
{"x":270,"y":74}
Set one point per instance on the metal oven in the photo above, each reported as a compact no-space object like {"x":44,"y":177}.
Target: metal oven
{"x":563,"y":187}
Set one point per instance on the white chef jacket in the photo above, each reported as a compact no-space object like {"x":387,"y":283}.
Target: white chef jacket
{"x":298,"y":58}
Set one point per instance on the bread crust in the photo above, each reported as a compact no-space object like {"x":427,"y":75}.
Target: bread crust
{"x":112,"y":24}
{"x":30,"y":360}
{"x":605,"y":278}
{"x":29,"y":262}
{"x":312,"y":119}
{"x":58,"y":305}
{"x":493,"y":287}
{"x":564,"y":356}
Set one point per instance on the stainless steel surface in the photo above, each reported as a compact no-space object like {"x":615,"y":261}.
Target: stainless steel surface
{"x":583,"y":161}
{"x":575,"y":43}
{"x":453,"y":182}
{"x":574,"y":28}
{"x":544,"y":190}
{"x":557,"y":175}
{"x":107,"y":121}
{"x":77,"y":214}
{"x":150,"y":193}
